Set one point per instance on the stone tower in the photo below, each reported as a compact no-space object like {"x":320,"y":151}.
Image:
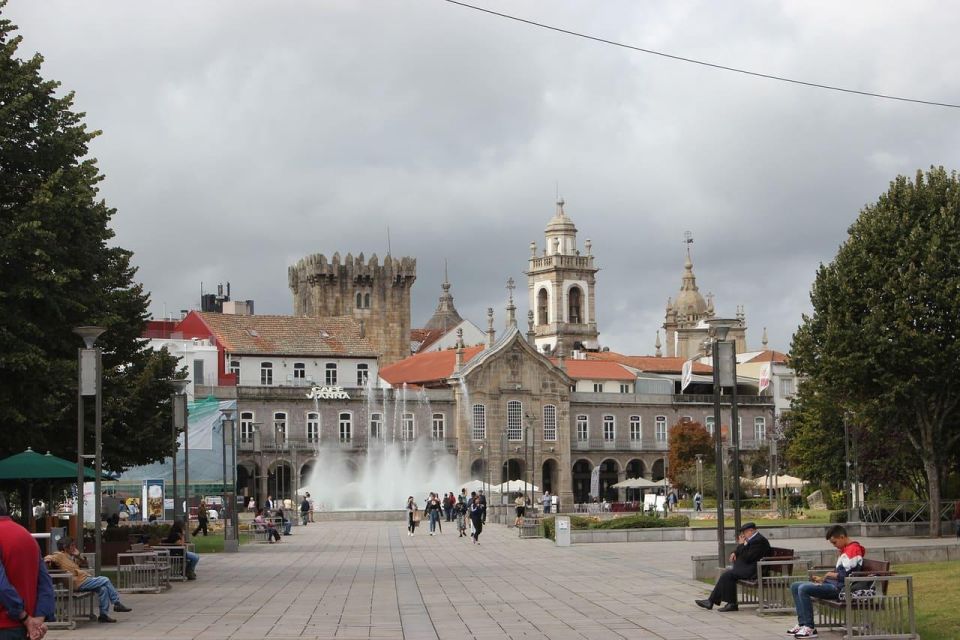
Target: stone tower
{"x":561,"y":283}
{"x":685,"y":320}
{"x":377,"y":296}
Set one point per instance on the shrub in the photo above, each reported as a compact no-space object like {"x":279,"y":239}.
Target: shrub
{"x":642,"y":522}
{"x":144,"y":531}
{"x":838,"y":517}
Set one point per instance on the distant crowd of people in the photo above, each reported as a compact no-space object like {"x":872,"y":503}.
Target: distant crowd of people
{"x":468,"y":512}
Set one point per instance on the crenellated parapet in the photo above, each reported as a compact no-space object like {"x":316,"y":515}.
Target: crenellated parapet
{"x":315,"y":268}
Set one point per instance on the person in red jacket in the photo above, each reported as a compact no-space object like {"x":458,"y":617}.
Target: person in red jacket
{"x":830,"y":585}
{"x":26,"y":590}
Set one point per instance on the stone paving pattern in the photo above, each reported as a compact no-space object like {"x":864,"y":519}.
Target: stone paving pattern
{"x":370,"y":580}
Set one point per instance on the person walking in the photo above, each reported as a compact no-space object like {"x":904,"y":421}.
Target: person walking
{"x":476,"y":518}
{"x":460,"y":511}
{"x":483,"y":503}
{"x":413,"y":516}
{"x":201,"y":519}
{"x":546,"y":502}
{"x":698,"y":502}
{"x":26,"y":590}
{"x":521,"y":504}
{"x":304,"y":510}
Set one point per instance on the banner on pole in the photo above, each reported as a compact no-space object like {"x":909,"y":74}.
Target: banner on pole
{"x":686,"y":375}
{"x":764,"y":377}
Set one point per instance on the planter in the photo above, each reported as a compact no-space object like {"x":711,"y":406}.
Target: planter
{"x":108,"y":551}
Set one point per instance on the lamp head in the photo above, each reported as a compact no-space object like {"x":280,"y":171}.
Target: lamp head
{"x":720,"y":327}
{"x":227,"y":414}
{"x":89,"y":334}
{"x":179,"y":384}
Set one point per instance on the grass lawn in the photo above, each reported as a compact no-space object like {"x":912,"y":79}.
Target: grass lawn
{"x":812,"y":517}
{"x":936,"y":592}
{"x":213,"y":543}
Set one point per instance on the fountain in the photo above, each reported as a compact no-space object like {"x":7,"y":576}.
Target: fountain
{"x":391,"y":469}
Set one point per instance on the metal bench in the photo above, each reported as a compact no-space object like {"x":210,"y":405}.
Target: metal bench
{"x":775,"y":579}
{"x":779,"y":561}
{"x":69,"y":604}
{"x":139,"y":572}
{"x":177,"y":559}
{"x":883,"y":616}
{"x":531,"y":528}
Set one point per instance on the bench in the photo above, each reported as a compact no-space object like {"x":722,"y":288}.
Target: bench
{"x":177,"y":559}
{"x":69,"y":604}
{"x":257,"y":532}
{"x":779,"y":561}
{"x":531,"y":527}
{"x":139,"y":572}
{"x":872,"y":617}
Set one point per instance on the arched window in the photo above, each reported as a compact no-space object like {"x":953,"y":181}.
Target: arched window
{"x":438,"y":426}
{"x":313,"y":428}
{"x":346,"y":426}
{"x":266,"y":373}
{"x":479,"y":422}
{"x":299,"y":371}
{"x":574,"y":303}
{"x":366,"y":301}
{"x":246,"y":426}
{"x":543,"y":317}
{"x":280,"y":427}
{"x":359,"y":301}
{"x":409,"y":427}
{"x":514,"y":421}
{"x":550,"y":423}
{"x":363,"y":371}
{"x":331,"y":374}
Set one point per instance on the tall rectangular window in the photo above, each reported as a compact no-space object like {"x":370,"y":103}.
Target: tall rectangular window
{"x":313,"y":428}
{"x":299,"y":371}
{"x":583,"y":428}
{"x":280,"y":427}
{"x":549,"y":423}
{"x":438,"y":426}
{"x":479,"y":422}
{"x":376,"y":426}
{"x":514,"y":421}
{"x":246,"y":427}
{"x":660,"y":428}
{"x":363,"y":372}
{"x":635,"y":432}
{"x":198,"y":372}
{"x":609,"y":428}
{"x":786,"y":387}
{"x":598,"y":387}
{"x":759,"y":429}
{"x":330,"y":378}
{"x":266,"y":373}
{"x":409,"y":431}
{"x":624,"y":388}
{"x":235,"y":369}
{"x":346,"y":426}
{"x":709,"y":424}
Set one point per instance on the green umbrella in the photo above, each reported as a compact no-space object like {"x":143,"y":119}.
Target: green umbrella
{"x":31,"y":465}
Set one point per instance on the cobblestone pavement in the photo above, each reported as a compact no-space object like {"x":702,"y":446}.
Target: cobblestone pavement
{"x":370,"y":580}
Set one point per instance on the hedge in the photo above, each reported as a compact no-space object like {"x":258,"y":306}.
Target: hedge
{"x":638,"y":521}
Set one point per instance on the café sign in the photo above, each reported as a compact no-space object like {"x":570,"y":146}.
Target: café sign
{"x":328,"y":393}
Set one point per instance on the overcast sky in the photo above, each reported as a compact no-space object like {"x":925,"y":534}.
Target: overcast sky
{"x":239,"y":137}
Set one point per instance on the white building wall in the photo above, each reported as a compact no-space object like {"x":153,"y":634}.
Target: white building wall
{"x":189,"y":351}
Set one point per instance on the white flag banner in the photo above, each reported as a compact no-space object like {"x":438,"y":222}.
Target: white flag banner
{"x":595,"y":482}
{"x":686,"y":375}
{"x":764,"y":377}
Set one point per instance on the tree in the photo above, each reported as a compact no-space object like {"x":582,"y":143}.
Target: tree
{"x":58,"y":271}
{"x":687,"y":439}
{"x":882,"y":341}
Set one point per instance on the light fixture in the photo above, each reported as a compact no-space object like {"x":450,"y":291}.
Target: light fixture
{"x":720,"y":327}
{"x":89,"y":334}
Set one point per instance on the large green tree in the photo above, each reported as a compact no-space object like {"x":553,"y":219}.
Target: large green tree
{"x":687,"y":440}
{"x":883,"y":341}
{"x":58,"y":270}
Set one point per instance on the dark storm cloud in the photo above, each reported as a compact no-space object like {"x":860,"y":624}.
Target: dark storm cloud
{"x":240,"y":136}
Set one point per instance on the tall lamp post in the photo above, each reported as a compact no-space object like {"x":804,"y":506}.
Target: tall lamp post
{"x":228,"y":447}
{"x":90,"y":383}
{"x":178,"y":403}
{"x":724,"y":354}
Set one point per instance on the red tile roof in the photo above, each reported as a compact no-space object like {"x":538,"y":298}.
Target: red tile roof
{"x":424,"y":368}
{"x":425,"y":337}
{"x":765,"y":356}
{"x":287,"y":335}
{"x":649,"y":364}
{"x":595,"y":370}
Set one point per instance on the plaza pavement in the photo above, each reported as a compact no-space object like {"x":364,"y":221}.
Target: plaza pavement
{"x":370,"y":580}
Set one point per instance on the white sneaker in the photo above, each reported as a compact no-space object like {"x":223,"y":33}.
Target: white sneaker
{"x":794,"y":629}
{"x":806,"y":632}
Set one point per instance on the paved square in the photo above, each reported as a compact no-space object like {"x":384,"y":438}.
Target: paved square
{"x":370,"y":580}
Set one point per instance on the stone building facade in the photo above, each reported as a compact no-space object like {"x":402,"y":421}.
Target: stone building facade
{"x":375,"y":295}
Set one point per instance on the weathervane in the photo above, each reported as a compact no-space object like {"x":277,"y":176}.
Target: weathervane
{"x":511,"y":286}
{"x":687,"y":237}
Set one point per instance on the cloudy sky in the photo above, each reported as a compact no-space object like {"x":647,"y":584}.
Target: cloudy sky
{"x":241,"y":136}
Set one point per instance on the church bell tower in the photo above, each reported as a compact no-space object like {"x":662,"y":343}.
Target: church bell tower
{"x":561,"y":283}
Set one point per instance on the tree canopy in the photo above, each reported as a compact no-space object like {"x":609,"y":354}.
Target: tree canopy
{"x":882,"y":341}
{"x":687,"y":439}
{"x":58,"y":270}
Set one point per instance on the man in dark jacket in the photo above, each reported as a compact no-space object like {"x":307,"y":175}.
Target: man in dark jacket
{"x":752,"y":548}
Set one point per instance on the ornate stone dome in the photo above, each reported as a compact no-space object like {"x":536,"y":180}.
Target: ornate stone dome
{"x":560,"y":223}
{"x":689,"y":302}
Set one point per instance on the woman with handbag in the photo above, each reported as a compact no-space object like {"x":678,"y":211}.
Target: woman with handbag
{"x":413,"y":516}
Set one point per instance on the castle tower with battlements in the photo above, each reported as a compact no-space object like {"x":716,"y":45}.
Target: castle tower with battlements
{"x":376,"y":295}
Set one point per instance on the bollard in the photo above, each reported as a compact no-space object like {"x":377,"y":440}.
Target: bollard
{"x":562,"y":531}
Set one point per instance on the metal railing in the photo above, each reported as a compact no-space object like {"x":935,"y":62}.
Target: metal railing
{"x":904,"y":511}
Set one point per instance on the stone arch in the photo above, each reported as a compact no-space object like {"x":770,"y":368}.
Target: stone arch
{"x":550,"y":476}
{"x":478,"y":469}
{"x":658,"y":471}
{"x":246,"y":479}
{"x":575,"y":305}
{"x":581,"y":480}
{"x":513,"y":469}
{"x":543,"y":306}
{"x":635,"y":468}
{"x":305,"y":470}
{"x":280,"y":479}
{"x":609,"y":476}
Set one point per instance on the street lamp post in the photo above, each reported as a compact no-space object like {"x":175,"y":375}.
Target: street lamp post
{"x":178,"y":405}
{"x":90,"y":383}
{"x":230,"y":543}
{"x":724,"y":354}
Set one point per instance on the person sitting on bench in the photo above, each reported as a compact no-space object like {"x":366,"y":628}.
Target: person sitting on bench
{"x":68,"y":559}
{"x":830,"y":585}
{"x":260,"y":522}
{"x":176,"y":537}
{"x":753,"y":547}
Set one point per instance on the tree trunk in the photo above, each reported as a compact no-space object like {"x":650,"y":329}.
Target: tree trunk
{"x":933,"y":482}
